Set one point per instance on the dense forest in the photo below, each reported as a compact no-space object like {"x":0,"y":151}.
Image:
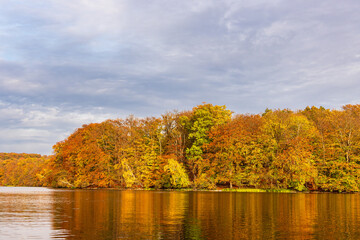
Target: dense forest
{"x":21,"y":169}
{"x":314,"y":149}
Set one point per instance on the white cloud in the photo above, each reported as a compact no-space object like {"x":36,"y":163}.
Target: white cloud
{"x":18,"y":85}
{"x":42,"y":126}
{"x":87,"y":18}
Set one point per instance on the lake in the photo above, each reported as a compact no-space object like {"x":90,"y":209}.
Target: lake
{"x":42,"y":213}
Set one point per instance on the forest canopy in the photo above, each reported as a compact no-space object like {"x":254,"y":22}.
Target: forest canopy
{"x":205,"y":148}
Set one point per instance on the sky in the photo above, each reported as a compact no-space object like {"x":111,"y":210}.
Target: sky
{"x":68,"y":63}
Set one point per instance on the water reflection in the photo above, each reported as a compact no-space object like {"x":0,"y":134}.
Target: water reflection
{"x":112,"y":214}
{"x":107,"y":214}
{"x":26,"y":213}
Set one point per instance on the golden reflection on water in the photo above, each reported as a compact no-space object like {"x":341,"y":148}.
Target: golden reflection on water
{"x":113,"y":214}
{"x":126,"y":214}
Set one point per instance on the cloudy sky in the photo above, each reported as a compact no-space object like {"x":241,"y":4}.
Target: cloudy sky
{"x":66,"y":63}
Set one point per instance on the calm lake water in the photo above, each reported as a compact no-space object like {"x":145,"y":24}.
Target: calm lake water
{"x":41,"y":213}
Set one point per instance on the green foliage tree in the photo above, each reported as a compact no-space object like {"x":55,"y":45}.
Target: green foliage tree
{"x":203,"y":119}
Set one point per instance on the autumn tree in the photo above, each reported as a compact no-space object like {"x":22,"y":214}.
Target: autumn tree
{"x":139,"y":151}
{"x":85,"y":158}
{"x":202,"y":120}
{"x":21,"y":169}
{"x":175,"y":134}
{"x":290,"y":135}
{"x":232,"y":149}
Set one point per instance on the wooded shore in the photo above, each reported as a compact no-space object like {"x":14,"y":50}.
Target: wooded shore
{"x":314,"y":149}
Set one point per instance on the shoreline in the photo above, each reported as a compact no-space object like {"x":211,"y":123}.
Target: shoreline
{"x":223,"y":190}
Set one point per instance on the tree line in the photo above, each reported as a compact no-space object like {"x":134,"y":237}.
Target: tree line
{"x":21,"y":169}
{"x":206,"y":148}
